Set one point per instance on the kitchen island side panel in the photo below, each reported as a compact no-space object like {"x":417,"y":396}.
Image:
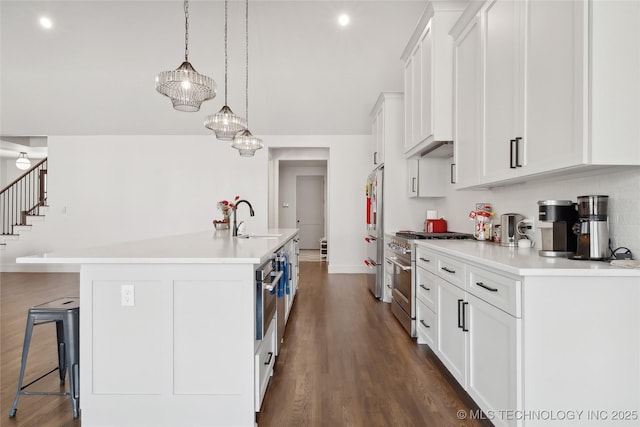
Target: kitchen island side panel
{"x":582,"y":348}
{"x":183,"y":354}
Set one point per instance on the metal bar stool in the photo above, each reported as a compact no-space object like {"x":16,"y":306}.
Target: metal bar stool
{"x":66,"y":313}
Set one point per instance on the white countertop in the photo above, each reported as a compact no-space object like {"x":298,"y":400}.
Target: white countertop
{"x":207,"y":247}
{"x":524,"y":261}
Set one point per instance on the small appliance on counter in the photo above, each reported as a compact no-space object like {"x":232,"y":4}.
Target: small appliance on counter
{"x":435,"y":225}
{"x":592,"y":228}
{"x":557,"y":218}
{"x":509,"y":229}
{"x":482,"y":216}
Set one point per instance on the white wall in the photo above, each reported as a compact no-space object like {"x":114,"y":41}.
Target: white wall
{"x":287,"y":193}
{"x":106,"y":189}
{"x":347,"y":170}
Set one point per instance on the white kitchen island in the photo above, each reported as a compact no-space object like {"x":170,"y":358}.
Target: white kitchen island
{"x":180,"y":349}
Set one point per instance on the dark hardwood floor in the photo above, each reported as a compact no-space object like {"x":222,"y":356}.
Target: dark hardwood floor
{"x":345,"y":361}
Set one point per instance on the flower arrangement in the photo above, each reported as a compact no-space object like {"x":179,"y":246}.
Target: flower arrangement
{"x":226,"y":207}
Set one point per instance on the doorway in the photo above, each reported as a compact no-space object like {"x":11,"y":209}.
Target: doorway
{"x":310,"y":208}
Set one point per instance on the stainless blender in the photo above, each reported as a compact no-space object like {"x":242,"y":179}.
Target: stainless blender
{"x":592,"y":228}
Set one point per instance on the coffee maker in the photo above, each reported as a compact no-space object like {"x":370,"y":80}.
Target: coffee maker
{"x":557,"y":219}
{"x":592,"y":228}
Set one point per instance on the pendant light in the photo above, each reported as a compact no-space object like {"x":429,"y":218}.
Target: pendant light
{"x":225,"y":123}
{"x":22,"y":162}
{"x":184,"y":85}
{"x":245,"y":142}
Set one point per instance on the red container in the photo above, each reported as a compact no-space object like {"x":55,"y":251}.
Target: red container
{"x":435,"y":226}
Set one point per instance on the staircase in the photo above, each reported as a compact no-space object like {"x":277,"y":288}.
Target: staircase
{"x":22,"y":202}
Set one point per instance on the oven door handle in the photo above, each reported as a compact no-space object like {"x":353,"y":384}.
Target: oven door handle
{"x":275,"y":278}
{"x":399,"y":265}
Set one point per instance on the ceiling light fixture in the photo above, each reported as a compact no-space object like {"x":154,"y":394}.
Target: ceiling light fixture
{"x":22,"y":162}
{"x":225,"y":123}
{"x":344,"y":19}
{"x":46,"y":22}
{"x":245,"y":142}
{"x":186,"y":88}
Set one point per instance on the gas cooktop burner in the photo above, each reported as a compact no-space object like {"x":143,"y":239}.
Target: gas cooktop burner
{"x":421,"y":235}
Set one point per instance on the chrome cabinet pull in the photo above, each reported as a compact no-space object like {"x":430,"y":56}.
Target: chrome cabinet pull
{"x":448,"y":270}
{"x":425,"y":288}
{"x":489,"y":288}
{"x":424,"y":324}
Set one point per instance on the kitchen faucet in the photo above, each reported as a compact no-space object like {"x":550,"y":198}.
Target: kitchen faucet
{"x":235,"y":208}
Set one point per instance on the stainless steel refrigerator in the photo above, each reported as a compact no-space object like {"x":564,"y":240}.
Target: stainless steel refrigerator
{"x":375,"y":234}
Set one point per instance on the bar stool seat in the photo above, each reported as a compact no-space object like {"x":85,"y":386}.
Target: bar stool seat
{"x":65,"y":312}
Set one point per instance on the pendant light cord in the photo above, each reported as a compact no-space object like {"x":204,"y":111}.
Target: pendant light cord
{"x":226,"y":61}
{"x":246,"y":70}
{"x":186,"y":30}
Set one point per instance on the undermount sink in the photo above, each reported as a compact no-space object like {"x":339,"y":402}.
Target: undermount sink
{"x":259,"y":236}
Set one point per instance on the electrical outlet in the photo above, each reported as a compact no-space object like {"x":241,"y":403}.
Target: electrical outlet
{"x":127,"y":295}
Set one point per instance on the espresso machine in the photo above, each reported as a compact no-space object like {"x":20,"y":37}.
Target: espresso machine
{"x":557,"y":219}
{"x":592,"y":228}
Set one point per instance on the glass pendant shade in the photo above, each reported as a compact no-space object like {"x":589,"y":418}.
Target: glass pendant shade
{"x":186,"y":88}
{"x":226,"y":124}
{"x":23,"y":162}
{"x":246,"y":143}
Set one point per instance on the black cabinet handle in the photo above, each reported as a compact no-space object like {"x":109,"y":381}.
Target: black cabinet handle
{"x":448,"y":270}
{"x":489,"y":288}
{"x":375,"y":158}
{"x":413,"y":185}
{"x":424,"y":324}
{"x":464,"y":319}
{"x":453,"y":165}
{"x":425,"y":288}
{"x":460,"y":324}
{"x":518,"y":164}
{"x":424,"y":259}
{"x":269,"y":359}
{"x":512,"y":153}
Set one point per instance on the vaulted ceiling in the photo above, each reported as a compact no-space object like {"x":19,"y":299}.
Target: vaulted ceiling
{"x":93,"y":72}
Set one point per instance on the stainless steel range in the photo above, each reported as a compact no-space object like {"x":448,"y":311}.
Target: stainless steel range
{"x":401,"y":256}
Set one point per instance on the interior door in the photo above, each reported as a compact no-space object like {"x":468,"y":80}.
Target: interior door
{"x":310,"y":210}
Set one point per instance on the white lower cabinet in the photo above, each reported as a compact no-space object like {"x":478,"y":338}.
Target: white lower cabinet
{"x":493,"y":369}
{"x":452,"y":340}
{"x":264,"y":360}
{"x":476,"y":341}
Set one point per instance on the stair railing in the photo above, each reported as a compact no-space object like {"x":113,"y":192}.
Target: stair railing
{"x":23,"y":197}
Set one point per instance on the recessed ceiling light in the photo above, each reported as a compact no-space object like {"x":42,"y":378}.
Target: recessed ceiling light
{"x":46,"y":22}
{"x":343,"y":19}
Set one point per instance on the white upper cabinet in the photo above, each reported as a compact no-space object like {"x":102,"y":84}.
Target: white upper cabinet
{"x":545,"y":86}
{"x":428,"y":81}
{"x":386,"y":124}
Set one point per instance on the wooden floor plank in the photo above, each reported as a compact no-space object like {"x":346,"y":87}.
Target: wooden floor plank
{"x":345,"y":360}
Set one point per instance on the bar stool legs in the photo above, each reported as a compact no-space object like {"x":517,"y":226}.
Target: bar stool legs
{"x":65,"y":313}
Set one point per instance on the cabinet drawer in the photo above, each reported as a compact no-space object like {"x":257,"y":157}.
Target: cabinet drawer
{"x":426,"y":326}
{"x":426,"y":287}
{"x":498,"y":290}
{"x":264,"y":361}
{"x":426,"y":259}
{"x":450,"y":270}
